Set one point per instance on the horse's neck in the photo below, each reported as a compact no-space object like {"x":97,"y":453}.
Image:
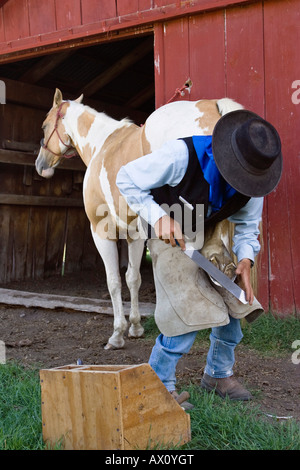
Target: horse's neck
{"x":88,"y":129}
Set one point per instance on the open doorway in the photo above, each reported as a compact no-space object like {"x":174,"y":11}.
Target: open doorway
{"x":116,"y":77}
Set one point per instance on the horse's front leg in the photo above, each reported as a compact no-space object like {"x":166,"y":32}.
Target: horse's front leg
{"x":109,"y":253}
{"x":133,"y":280}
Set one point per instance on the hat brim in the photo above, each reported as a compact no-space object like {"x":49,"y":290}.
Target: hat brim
{"x":252,"y":185}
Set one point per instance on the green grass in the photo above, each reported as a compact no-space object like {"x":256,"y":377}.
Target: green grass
{"x":270,"y":335}
{"x":267,"y":335}
{"x":216,"y":424}
{"x":20,"y":415}
{"x":224,"y":425}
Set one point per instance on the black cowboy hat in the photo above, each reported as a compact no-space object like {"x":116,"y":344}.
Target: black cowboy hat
{"x":247,"y":152}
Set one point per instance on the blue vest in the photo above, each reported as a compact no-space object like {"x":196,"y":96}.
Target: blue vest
{"x":219,"y":190}
{"x":199,"y":186}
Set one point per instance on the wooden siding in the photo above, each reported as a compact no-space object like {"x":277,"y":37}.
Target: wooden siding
{"x":248,"y":53}
{"x":282,"y":59}
{"x":35,"y":229}
{"x":38,"y":217}
{"x":35,"y":24}
{"x":246,"y":50}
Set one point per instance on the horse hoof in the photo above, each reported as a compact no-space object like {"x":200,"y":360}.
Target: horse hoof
{"x":135,"y":332}
{"x":112,"y":347}
{"x":135,"y":336}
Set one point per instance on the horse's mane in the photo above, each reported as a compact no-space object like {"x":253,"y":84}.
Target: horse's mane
{"x":125,"y":120}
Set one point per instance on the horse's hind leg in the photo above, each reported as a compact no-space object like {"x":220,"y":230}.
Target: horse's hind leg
{"x":109,"y":253}
{"x":133,"y":280}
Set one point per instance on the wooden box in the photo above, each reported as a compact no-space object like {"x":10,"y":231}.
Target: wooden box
{"x":110,"y":407}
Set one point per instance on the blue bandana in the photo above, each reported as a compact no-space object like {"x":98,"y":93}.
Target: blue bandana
{"x":219,"y":190}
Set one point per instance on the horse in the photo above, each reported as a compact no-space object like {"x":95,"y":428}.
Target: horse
{"x":105,"y":144}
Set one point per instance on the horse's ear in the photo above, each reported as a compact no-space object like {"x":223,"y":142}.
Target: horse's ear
{"x":57,"y":100}
{"x":79,"y":100}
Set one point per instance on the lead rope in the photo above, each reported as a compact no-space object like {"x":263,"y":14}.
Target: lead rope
{"x":181,"y":91}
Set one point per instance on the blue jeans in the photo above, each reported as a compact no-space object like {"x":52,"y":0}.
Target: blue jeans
{"x":220,"y":359}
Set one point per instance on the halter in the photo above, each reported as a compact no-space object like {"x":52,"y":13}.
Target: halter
{"x":45,"y":145}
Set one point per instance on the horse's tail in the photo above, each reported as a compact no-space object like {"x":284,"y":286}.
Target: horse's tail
{"x":226,"y":105}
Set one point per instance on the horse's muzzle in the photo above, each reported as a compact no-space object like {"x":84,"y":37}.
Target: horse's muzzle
{"x":42,"y":166}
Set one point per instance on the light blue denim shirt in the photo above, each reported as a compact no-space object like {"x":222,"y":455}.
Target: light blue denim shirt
{"x":168,"y":165}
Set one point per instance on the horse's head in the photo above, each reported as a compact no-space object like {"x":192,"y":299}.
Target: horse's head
{"x":56,"y":143}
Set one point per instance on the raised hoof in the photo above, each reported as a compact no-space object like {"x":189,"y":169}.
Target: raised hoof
{"x":136,"y":332}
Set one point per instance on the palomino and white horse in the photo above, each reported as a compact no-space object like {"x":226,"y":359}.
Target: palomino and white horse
{"x":105,"y":144}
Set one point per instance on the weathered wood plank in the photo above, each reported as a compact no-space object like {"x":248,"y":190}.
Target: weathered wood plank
{"x":203,"y":30}
{"x":20,"y":146}
{"x":22,"y":158}
{"x":20,"y":200}
{"x":68,"y":13}
{"x":281,"y":27}
{"x":245,"y":83}
{"x":41,"y":16}
{"x":36,"y":243}
{"x":5,"y":244}
{"x":50,"y":301}
{"x":172,"y":65}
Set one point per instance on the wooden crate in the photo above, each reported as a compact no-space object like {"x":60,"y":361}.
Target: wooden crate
{"x":110,"y":407}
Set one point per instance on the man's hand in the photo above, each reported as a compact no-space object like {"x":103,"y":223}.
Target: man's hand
{"x":243,"y":272}
{"x":169,"y":231}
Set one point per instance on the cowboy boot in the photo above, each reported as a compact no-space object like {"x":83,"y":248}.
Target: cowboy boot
{"x":226,"y":387}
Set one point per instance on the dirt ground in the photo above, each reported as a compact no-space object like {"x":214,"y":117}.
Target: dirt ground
{"x":50,"y":338}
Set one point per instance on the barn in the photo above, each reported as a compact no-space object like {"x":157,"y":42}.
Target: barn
{"x":129,"y":57}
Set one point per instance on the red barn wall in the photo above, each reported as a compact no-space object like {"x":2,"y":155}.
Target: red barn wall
{"x":246,"y":50}
{"x":248,"y":53}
